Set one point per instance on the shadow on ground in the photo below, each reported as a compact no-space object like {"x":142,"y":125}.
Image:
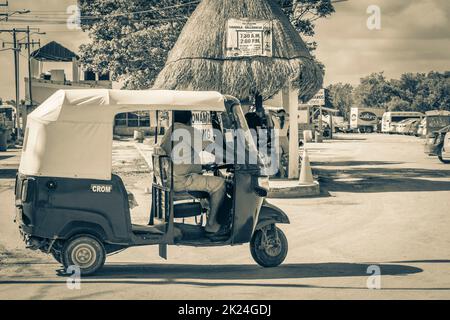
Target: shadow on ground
{"x":368,"y":180}
{"x":423,"y":261}
{"x":8,"y":173}
{"x":354,"y":163}
{"x":161,"y":274}
{"x":6,"y":157}
{"x":248,"y":272}
{"x":342,"y":138}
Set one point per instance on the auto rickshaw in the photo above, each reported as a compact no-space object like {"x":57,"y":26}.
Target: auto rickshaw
{"x":71,"y":206}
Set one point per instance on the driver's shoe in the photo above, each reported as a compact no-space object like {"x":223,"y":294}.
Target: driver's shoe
{"x":221,"y":235}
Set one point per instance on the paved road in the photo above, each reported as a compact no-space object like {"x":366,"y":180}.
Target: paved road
{"x":384,"y":203}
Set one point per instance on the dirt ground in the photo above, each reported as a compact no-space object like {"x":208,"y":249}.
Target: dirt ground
{"x":384,"y":205}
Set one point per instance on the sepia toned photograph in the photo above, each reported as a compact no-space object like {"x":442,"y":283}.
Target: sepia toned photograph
{"x":224,"y":150}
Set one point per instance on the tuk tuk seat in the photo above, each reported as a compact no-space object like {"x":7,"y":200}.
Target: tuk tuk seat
{"x":162,"y":167}
{"x":186,"y":203}
{"x":191,"y":195}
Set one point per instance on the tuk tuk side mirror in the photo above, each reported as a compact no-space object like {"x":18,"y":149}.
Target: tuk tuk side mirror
{"x":261,"y":186}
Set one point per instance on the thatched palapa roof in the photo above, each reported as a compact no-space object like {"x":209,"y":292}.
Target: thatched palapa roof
{"x":198,"y":60}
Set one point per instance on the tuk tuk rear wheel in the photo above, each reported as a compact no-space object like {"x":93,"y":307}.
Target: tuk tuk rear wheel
{"x":84,"y":251}
{"x":269,"y":247}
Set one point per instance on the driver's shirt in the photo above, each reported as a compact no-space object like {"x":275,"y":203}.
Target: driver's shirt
{"x":184,"y":164}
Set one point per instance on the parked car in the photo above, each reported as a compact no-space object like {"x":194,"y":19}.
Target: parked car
{"x":421,"y":129}
{"x":413,"y":127}
{"x":438,"y":144}
{"x":445,"y":151}
{"x":401,"y":126}
{"x":7,"y":126}
{"x":408,"y":126}
{"x":390,"y":119}
{"x":393,"y":128}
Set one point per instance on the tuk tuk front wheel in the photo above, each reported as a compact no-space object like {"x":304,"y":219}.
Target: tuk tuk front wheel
{"x":269,"y":247}
{"x":84,"y":251}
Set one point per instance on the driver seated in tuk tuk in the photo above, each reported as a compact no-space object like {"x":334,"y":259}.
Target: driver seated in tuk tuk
{"x":188,"y":175}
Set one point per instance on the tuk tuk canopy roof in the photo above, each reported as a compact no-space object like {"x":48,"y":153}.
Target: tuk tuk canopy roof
{"x":101,"y":105}
{"x":70,"y":134}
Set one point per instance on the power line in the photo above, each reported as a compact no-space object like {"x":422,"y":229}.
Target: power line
{"x":133,"y":12}
{"x":7,"y":15}
{"x":49,"y":16}
{"x":63,"y":22}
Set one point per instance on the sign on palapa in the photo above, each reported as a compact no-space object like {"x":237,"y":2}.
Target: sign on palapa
{"x":318,"y":99}
{"x":248,"y":38}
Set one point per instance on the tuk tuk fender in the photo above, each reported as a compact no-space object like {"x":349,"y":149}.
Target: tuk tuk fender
{"x":271,"y":214}
{"x":63,"y":224}
{"x":82,"y":227}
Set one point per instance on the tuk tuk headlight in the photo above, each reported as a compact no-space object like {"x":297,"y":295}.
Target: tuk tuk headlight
{"x":27,"y":191}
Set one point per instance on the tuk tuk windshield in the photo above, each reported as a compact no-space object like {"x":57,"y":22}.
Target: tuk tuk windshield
{"x":246,"y":137}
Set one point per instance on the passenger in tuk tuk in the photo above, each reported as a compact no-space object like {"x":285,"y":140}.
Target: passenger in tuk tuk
{"x":188,"y":173}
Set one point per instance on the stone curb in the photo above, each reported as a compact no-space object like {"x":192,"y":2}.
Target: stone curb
{"x":295,"y":191}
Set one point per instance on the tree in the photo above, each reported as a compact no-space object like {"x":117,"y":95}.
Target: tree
{"x":398,"y":104}
{"x":132,"y":38}
{"x":436,"y":87}
{"x":374,"y":91}
{"x":412,"y":92}
{"x":341,"y":97}
{"x":303,"y":14}
{"x":422,"y":91}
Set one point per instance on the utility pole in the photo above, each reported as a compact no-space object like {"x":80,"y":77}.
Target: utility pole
{"x":30,"y":95}
{"x":28,"y":44}
{"x":16,"y":49}
{"x":16,"y":79}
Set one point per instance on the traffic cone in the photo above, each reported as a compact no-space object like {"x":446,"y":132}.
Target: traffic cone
{"x":306,"y":175}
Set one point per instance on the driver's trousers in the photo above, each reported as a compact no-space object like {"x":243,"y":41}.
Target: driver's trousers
{"x":213,"y":185}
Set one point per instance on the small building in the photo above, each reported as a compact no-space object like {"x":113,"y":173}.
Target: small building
{"x":54,"y":67}
{"x":126,"y":123}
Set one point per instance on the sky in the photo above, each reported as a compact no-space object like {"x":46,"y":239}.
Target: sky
{"x":414,"y":36}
